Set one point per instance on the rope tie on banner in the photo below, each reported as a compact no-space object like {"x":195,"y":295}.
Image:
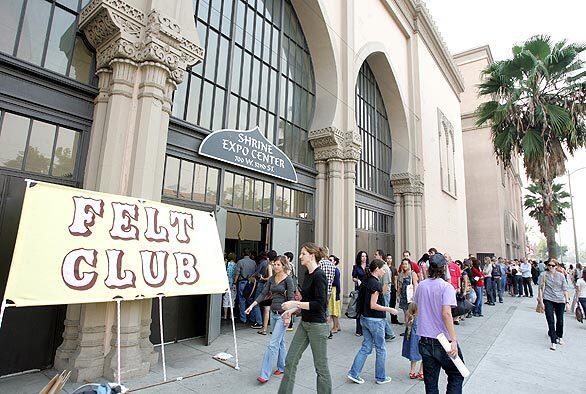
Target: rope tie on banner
{"x":162,"y":338}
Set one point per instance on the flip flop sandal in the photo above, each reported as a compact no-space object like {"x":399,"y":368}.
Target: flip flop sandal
{"x":262,"y":332}
{"x":420,"y":376}
{"x":412,"y":375}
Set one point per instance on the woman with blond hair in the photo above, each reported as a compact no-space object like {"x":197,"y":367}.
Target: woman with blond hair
{"x":313,"y":329}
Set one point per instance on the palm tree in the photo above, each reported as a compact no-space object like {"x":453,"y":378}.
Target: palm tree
{"x":537,"y":110}
{"x":535,"y":202}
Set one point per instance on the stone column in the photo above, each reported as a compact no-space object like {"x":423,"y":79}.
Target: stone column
{"x":352,"y":147}
{"x":321,"y":194}
{"x":408,"y":191}
{"x":142,"y":53}
{"x":336,"y":214}
{"x":399,"y":221}
{"x":336,"y":153}
{"x":327,"y":146}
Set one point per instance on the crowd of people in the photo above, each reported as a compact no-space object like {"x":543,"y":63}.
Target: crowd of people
{"x":434,"y":293}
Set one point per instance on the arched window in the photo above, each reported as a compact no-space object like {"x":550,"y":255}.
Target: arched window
{"x":374,"y":167}
{"x":257,"y":71}
{"x":447,"y":149}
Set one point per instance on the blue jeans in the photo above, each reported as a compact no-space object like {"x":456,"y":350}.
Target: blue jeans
{"x":434,"y":358}
{"x":497,"y":289}
{"x":478,"y":304}
{"x":243,"y":303}
{"x":275,"y":349}
{"x":372,"y":330}
{"x":518,"y":285}
{"x":503,"y":286}
{"x":488,"y":285}
{"x":388,"y":329}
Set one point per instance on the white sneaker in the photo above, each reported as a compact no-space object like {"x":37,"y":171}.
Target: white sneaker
{"x":561,"y":341}
{"x":387,"y":380}
{"x":357,"y":380}
{"x":552,"y":347}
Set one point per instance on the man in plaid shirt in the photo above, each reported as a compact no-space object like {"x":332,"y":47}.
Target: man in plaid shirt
{"x":330,"y":270}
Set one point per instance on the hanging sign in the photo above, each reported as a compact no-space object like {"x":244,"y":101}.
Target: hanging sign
{"x":249,"y":149}
{"x":78,"y":246}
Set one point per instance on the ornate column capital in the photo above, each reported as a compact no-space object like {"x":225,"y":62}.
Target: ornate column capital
{"x":352,"y":146}
{"x":406,"y":183}
{"x":117,"y":29}
{"x":332,"y":143}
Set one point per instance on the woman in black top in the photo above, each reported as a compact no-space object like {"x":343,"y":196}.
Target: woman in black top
{"x":372,"y":309}
{"x":313,"y":329}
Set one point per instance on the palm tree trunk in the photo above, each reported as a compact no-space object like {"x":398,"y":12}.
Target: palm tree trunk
{"x":552,"y":247}
{"x":550,"y":224}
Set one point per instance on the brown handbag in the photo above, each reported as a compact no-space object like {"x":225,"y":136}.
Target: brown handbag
{"x":540,"y":308}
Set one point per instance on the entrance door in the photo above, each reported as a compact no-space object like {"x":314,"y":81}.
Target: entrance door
{"x":285,"y":236}
{"x":29,"y":336}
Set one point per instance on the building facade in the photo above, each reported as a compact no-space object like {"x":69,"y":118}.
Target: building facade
{"x":118,"y":95}
{"x":494,"y":194}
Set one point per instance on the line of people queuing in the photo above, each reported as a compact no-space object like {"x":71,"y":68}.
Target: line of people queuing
{"x":427,"y":291}
{"x":426,"y":312}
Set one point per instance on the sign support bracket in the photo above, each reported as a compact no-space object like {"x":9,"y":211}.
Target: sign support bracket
{"x":162,"y":339}
{"x":118,"y":301}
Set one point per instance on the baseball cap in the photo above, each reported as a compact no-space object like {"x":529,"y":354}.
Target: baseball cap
{"x":437,"y":260}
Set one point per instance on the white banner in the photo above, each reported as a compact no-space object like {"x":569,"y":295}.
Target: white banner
{"x":78,"y":246}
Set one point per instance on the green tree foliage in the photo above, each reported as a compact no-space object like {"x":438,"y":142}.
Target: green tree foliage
{"x":537,"y":110}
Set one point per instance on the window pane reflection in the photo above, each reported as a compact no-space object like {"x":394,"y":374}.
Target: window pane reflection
{"x":34,"y":31}
{"x":238,"y":191}
{"x":40,"y":147}
{"x":13,"y":137}
{"x":61,"y":40}
{"x":65,"y":153}
{"x":10,"y":11}
{"x":186,"y":180}
{"x":212,"y":186}
{"x":81,"y":64}
{"x":171,"y":180}
{"x":200,"y":183}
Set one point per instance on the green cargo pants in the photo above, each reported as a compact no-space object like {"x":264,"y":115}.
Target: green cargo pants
{"x":315,"y":335}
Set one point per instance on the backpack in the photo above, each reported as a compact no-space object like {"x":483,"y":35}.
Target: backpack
{"x":352,"y":311}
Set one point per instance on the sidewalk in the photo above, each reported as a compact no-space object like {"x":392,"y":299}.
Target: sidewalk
{"x":506,"y":351}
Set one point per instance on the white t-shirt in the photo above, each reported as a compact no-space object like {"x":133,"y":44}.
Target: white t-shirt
{"x":581,"y":288}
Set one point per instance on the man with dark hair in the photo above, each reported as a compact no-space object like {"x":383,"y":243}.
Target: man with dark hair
{"x":435,"y":299}
{"x":414,"y":266}
{"x":245,"y":268}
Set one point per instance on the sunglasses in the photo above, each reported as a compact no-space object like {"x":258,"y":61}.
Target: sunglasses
{"x":551,"y":265}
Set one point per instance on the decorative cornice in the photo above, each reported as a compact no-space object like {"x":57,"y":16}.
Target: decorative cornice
{"x":424,"y":23}
{"x":405,"y":183}
{"x":118,"y":30}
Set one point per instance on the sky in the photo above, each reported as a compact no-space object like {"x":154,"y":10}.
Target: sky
{"x":466,"y":24}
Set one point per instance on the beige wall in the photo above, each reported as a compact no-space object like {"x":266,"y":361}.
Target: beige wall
{"x":495,"y":213}
{"x":446,"y":226}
